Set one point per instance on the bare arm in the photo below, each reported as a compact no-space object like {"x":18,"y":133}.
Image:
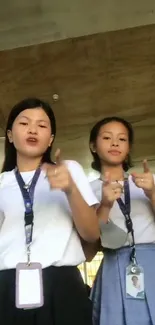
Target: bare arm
{"x":103,"y":213}
{"x":91,"y":249}
{"x":110,"y":193}
{"x":84,"y":216}
{"x":152,"y":201}
{"x":146,"y":181}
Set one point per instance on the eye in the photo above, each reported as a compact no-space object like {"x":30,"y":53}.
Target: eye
{"x":106,"y":138}
{"x":43,"y":126}
{"x":122,"y":139}
{"x":23,"y":123}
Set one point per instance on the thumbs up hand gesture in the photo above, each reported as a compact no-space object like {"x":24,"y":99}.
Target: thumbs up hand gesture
{"x":58,"y":175}
{"x":111,"y":191}
{"x":145,"y":180}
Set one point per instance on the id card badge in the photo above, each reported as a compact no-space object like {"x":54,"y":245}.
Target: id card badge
{"x":135,"y":282}
{"x":29,"y":286}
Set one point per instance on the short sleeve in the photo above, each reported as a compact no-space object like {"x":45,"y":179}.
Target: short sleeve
{"x":81,"y":182}
{"x":96,"y":186}
{"x":1,"y":209}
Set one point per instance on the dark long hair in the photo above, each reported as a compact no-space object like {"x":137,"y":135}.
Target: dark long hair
{"x":96,"y":164}
{"x":10,"y":160}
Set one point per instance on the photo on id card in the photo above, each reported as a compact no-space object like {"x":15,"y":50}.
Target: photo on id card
{"x":135,"y":285}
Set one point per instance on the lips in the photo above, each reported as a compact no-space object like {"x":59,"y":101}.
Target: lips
{"x":32,"y":140}
{"x":114,"y":152}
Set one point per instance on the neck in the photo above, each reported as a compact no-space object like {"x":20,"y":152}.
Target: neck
{"x":26,"y":164}
{"x":116,"y":172}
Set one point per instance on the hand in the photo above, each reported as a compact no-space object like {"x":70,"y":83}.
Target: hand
{"x":111,"y":191}
{"x":58,"y":175}
{"x":145,"y":180}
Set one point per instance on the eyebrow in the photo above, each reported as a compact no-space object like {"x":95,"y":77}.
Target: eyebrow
{"x":121,"y":133}
{"x":23,"y":116}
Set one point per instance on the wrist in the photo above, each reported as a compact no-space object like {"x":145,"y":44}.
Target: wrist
{"x":152,"y":199}
{"x":106,"y":205}
{"x":151,"y":194}
{"x":71,"y":190}
{"x":103,"y":212}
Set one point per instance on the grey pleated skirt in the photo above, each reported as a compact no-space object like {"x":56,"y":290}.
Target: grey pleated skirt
{"x":110,"y":305}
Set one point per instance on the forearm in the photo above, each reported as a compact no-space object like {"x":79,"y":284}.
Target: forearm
{"x":91,"y":249}
{"x":103,"y":213}
{"x":152,"y":201}
{"x":151,"y":197}
{"x":84,"y":216}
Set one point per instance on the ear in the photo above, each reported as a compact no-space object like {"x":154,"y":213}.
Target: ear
{"x":9,"y":134}
{"x":51,"y":140}
{"x":92,"y":147}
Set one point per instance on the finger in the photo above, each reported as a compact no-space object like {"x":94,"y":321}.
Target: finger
{"x":116,"y":186}
{"x":107,"y":178}
{"x":136,"y":176}
{"x":140,"y":182}
{"x":117,"y":195}
{"x":146,"y":166}
{"x":49,"y":169}
{"x":118,"y":190}
{"x":45,"y":167}
{"x":57,"y":156}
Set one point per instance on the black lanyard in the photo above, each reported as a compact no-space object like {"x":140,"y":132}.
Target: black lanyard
{"x":126,"y":210}
{"x":28,"y":196}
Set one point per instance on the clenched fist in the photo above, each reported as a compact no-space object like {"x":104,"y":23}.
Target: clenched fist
{"x":58,"y":175}
{"x":111,"y":191}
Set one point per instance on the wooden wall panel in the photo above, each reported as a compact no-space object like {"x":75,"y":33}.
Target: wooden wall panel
{"x":95,"y":76}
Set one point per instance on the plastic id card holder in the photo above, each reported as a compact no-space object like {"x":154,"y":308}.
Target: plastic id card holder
{"x":29,"y":286}
{"x":135,"y":288}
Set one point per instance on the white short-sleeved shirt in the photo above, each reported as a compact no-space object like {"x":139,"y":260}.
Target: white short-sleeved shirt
{"x":55,"y":240}
{"x":141,"y":212}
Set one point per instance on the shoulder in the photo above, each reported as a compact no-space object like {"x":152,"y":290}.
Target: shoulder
{"x":74,"y":168}
{"x":96,"y":186}
{"x":6,"y":178}
{"x":73,"y":164}
{"x":79,"y":177}
{"x":96,"y":182}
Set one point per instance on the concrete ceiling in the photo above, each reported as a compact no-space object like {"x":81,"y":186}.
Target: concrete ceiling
{"x":27,"y":22}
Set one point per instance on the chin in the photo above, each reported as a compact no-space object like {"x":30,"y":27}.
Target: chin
{"x":115,"y":163}
{"x":32,"y":154}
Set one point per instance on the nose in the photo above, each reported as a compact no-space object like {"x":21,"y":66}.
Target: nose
{"x":32,"y":129}
{"x":115,"y":143}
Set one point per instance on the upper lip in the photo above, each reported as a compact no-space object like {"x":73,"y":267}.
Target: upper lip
{"x":32,"y":138}
{"x":114,"y":150}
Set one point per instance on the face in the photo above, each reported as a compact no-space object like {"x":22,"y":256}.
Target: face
{"x":135,"y":280}
{"x":112,"y":143}
{"x":31,"y":132}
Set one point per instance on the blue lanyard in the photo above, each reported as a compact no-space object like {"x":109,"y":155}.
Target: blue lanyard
{"x":126,"y":210}
{"x":28,"y":196}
